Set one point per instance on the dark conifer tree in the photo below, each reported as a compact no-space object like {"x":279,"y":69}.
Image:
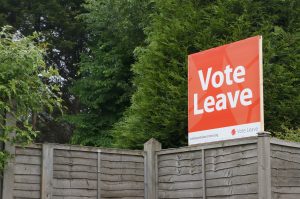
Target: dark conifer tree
{"x":178,"y":28}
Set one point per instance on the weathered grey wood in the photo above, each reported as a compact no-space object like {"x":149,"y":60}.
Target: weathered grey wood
{"x":121,"y":157}
{"x":211,"y":145}
{"x":264,"y":166}
{"x":222,"y":170}
{"x":285,"y":181}
{"x":47,"y":172}
{"x":189,"y":155}
{"x":74,"y":175}
{"x":94,"y":149}
{"x":27,"y":194}
{"x":27,"y":187}
{"x":230,"y":150}
{"x":285,"y":143}
{"x":151,"y":170}
{"x":180,"y":163}
{"x":8,"y":175}
{"x":285,"y":162}
{"x":29,"y":160}
{"x":114,"y":171}
{"x":203,"y":175}
{"x":121,"y":177}
{"x":227,"y":165}
{"x":285,"y":173}
{"x":75,"y":161}
{"x":71,"y":197}
{"x":243,"y":189}
{"x":286,"y":190}
{"x":286,"y":154}
{"x":231,"y":171}
{"x":114,"y":186}
{"x":122,"y":193}
{"x":248,"y":196}
{"x":179,"y":170}
{"x":28,"y":151}
{"x":222,"y":157}
{"x":75,"y":154}
{"x":197,"y":178}
{"x":75,"y":192}
{"x":285,"y":196}
{"x":180,"y":185}
{"x":122,"y":165}
{"x":32,"y":179}
{"x":235,"y":180}
{"x":75,"y":183}
{"x":79,"y":168}
{"x":187,"y":193}
{"x":25,"y":169}
{"x":287,"y":149}
{"x":236,"y":171}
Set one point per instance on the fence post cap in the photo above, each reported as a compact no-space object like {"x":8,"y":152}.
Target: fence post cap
{"x":153,"y":143}
{"x":264,"y":134}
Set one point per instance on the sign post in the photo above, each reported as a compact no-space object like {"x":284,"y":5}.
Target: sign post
{"x":225,"y":92}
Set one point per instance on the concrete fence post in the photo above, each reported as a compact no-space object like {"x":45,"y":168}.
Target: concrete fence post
{"x":264,"y":165}
{"x":203,"y":174}
{"x":98,"y":174}
{"x":151,"y":168}
{"x":1,"y":148}
{"x":47,"y":171}
{"x":8,"y":175}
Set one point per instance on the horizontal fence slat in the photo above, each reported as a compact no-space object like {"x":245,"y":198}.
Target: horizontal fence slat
{"x":30,"y":179}
{"x":27,"y":194}
{"x":75,"y":183}
{"x":27,"y":187}
{"x":188,"y":193}
{"x":75,"y":192}
{"x":121,"y":177}
{"x":242,"y":189}
{"x":29,"y":151}
{"x":180,"y":178}
{"x":26,"y":159}
{"x":108,"y":186}
{"x":180,"y":185}
{"x":122,"y":193}
{"x":26,"y":169}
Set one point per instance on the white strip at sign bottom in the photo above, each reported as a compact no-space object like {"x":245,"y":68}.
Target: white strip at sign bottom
{"x":225,"y":133}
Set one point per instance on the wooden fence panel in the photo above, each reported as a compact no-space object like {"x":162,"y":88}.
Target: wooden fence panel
{"x":122,"y":176}
{"x":259,"y":167}
{"x":180,"y":175}
{"x":211,"y":171}
{"x":231,"y":172}
{"x":285,"y":170}
{"x":74,"y":174}
{"x":27,"y":176}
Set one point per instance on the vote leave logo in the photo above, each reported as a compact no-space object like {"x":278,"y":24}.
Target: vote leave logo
{"x":233,"y":132}
{"x":225,"y":91}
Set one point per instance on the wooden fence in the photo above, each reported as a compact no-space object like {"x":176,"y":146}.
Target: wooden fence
{"x":257,"y":167}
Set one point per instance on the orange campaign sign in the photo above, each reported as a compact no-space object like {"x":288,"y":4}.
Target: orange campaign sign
{"x":225,"y":92}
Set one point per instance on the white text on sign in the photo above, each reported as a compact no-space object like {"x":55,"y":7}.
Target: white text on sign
{"x":222,"y":100}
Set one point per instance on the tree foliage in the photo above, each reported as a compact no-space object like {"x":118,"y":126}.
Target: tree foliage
{"x":56,"y":22}
{"x":26,"y":86}
{"x":178,"y":28}
{"x":131,"y":82}
{"x":104,"y":88}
